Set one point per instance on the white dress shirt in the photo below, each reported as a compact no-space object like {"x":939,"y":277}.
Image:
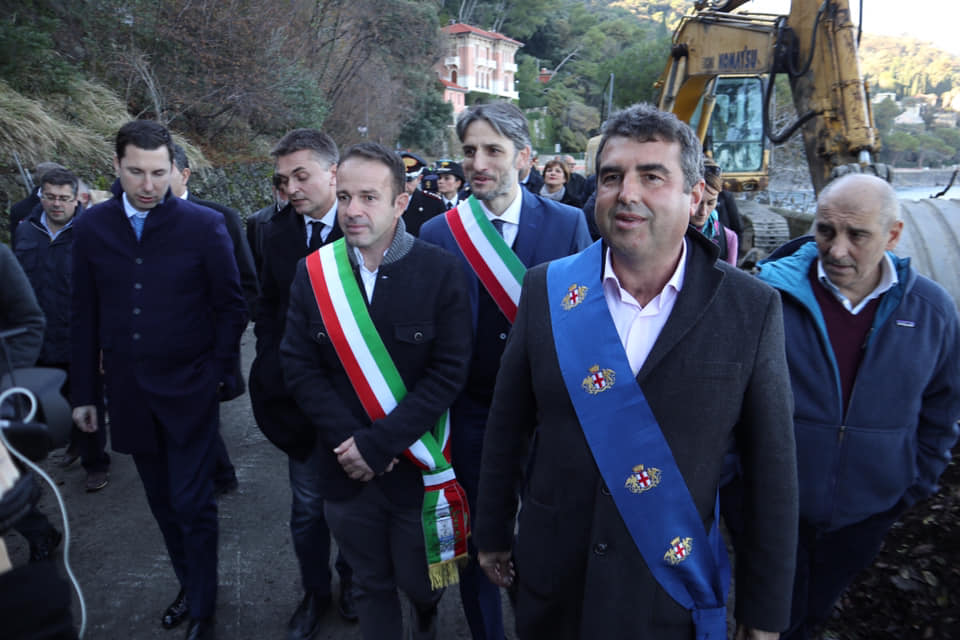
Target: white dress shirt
{"x":640,"y":326}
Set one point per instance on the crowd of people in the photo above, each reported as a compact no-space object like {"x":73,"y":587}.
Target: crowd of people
{"x":491,"y":376}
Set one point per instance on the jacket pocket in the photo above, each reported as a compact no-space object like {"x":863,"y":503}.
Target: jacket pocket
{"x":537,"y":553}
{"x":414,"y":332}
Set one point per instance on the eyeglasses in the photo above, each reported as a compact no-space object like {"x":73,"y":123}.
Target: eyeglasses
{"x":49,"y":197}
{"x":712,"y":170}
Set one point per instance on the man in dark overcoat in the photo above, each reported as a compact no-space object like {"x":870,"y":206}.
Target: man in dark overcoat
{"x":305,"y":171}
{"x":158,"y":308}
{"x":695,"y":351}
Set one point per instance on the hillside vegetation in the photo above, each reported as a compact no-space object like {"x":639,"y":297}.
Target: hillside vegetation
{"x":233,"y":76}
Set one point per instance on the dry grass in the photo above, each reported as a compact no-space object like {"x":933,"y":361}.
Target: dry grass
{"x":75,"y":128}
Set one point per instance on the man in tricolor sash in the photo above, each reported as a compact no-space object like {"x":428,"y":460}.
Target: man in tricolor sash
{"x":637,"y":364}
{"x":497,"y":233}
{"x":376,"y":348}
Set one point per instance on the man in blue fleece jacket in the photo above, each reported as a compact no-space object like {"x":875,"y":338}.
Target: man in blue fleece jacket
{"x":875,"y":368}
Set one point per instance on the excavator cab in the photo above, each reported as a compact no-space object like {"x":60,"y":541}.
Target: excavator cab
{"x":733,"y":132}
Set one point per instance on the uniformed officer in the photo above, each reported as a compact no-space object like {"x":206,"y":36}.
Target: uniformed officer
{"x":422,"y":205}
{"x":450,"y":183}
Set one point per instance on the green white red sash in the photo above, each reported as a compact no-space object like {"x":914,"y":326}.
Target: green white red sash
{"x":490,"y":257}
{"x":380,"y":388}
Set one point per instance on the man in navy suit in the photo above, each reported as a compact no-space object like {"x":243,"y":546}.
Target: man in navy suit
{"x":496,"y":146}
{"x":158,"y":309}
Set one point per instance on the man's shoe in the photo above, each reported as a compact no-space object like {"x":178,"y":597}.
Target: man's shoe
{"x":346,"y":604}
{"x":44,"y":547}
{"x":176,"y":612}
{"x":306,"y":619}
{"x":97,"y":480}
{"x":67,"y":458}
{"x":200,"y":629}
{"x":223,"y":487}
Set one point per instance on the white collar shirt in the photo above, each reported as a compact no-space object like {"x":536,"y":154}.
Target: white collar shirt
{"x":510,"y":218}
{"x":326,"y":222}
{"x":888,"y":279}
{"x":640,"y":326}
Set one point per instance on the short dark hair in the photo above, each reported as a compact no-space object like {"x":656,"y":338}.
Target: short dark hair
{"x":557,"y":161}
{"x":321,"y":144}
{"x":180,"y":158}
{"x":645,"y":123}
{"x":144,"y":134}
{"x":60,"y":177}
{"x":505,"y":118}
{"x":379,"y":153}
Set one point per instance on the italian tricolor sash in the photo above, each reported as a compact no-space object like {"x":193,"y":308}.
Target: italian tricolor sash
{"x":490,"y":257}
{"x":380,"y":388}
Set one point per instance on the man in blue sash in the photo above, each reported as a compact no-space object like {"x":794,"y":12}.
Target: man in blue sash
{"x":496,"y":145}
{"x":632,"y":368}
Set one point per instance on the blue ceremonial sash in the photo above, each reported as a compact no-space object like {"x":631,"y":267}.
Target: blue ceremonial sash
{"x":631,"y":453}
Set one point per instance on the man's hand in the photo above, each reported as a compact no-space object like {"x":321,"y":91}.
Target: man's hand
{"x":746,"y":633}
{"x":498,"y":566}
{"x":356,"y":468}
{"x":85,"y":418}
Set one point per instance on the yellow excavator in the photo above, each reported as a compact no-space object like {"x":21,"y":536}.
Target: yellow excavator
{"x":720,"y":76}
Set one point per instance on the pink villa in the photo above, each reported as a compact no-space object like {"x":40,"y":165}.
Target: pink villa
{"x":476,"y":60}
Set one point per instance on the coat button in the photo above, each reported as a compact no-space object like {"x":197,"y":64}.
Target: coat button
{"x":139,"y":260}
{"x":503,"y":336}
{"x":136,"y":336}
{"x":136,"y":311}
{"x":600,"y":548}
{"x":418,"y":336}
{"x":604,"y":490}
{"x":321,"y":335}
{"x":137,"y":285}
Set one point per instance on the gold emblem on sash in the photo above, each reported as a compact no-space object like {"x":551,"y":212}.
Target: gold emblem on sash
{"x":680,"y":550}
{"x":641,"y":479}
{"x":575,"y":296}
{"x":598,"y":380}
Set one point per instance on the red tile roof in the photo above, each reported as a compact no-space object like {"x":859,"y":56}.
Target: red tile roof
{"x":453,"y":86}
{"x":466,"y":28}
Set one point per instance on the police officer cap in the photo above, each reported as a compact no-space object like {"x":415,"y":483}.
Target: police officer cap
{"x":413,"y":164}
{"x":449,"y":166}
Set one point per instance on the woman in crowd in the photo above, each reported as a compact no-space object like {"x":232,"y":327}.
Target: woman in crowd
{"x":555,"y":177}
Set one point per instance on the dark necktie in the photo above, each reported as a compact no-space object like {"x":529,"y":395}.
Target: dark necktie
{"x":316,"y":235}
{"x":498,"y":225}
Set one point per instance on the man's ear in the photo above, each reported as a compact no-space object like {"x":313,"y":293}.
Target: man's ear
{"x":186,"y":175}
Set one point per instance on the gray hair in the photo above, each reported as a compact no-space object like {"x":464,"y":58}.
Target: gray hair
{"x":505,"y":118}
{"x":645,"y":123}
{"x":320,"y":143}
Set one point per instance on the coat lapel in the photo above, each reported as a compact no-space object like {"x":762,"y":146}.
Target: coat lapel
{"x":531,"y":216}
{"x":700,"y":284}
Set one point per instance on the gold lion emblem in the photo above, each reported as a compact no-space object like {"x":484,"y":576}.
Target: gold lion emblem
{"x":598,"y":380}
{"x":641,"y":479}
{"x":575,"y":296}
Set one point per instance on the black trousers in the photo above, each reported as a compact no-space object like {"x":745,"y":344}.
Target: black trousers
{"x":178,"y":481}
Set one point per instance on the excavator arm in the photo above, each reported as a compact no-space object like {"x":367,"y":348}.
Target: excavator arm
{"x":720,"y":75}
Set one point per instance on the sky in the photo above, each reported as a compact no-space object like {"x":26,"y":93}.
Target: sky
{"x":928,"y":20}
